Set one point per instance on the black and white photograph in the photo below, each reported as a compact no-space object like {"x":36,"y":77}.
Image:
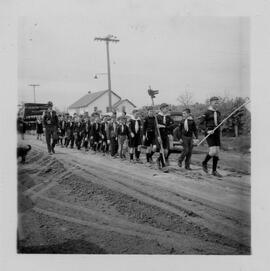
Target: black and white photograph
{"x":133,"y":132}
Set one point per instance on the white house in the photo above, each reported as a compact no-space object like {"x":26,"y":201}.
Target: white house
{"x":100,"y":101}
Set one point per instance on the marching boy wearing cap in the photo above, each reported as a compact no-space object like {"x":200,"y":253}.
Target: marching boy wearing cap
{"x":135,"y":141}
{"x":165,"y":123}
{"x":210,"y":120}
{"x":187,"y":129}
{"x":149,"y":132}
{"x":122,"y":132}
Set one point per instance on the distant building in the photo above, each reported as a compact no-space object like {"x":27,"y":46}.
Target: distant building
{"x":99,"y":101}
{"x":124,"y":105}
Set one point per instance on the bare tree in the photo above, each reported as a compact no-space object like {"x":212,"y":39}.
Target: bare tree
{"x":185,"y":99}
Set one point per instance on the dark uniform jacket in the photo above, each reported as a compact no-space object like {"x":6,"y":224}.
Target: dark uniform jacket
{"x":132,"y":124}
{"x":50,"y":119}
{"x":166,"y":123}
{"x":78,"y":128}
{"x":207,"y":122}
{"x":62,"y":125}
{"x":122,"y":129}
{"x":192,"y":129}
{"x":104,"y":129}
{"x":69,"y":128}
{"x":86,"y":129}
{"x":95,"y":130}
{"x":112,"y":130}
{"x":149,"y":125}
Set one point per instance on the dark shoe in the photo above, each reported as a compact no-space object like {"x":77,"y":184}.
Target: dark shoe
{"x":165,"y":169}
{"x":179,"y":163}
{"x":204,"y":167}
{"x":216,"y":174}
{"x":188,"y":168}
{"x":53,"y":150}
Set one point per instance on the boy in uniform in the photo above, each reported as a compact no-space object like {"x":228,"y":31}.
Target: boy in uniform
{"x":69,"y":132}
{"x":187,"y":129}
{"x":86,"y":132}
{"x":104,"y":131}
{"x":165,"y":124}
{"x":122,"y":132}
{"x":135,"y":141}
{"x":78,"y":131}
{"x":210,"y":119}
{"x":149,"y":135}
{"x":96,"y":133}
{"x":62,"y":128}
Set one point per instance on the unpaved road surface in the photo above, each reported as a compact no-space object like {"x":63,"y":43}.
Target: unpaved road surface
{"x":79,"y":202}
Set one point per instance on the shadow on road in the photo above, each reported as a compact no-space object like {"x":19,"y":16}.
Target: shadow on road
{"x":68,"y":247}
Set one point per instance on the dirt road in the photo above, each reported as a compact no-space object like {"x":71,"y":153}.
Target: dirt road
{"x":77,"y":202}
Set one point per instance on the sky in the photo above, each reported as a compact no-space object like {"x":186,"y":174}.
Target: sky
{"x":203,"y":55}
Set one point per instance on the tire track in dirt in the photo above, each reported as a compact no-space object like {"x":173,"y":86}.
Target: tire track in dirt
{"x":122,"y":226}
{"x":149,"y":190}
{"x":170,"y":206}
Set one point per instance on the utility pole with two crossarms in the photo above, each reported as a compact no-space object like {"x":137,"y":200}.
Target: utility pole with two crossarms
{"x":108,"y":39}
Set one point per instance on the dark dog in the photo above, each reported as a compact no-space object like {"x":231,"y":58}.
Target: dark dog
{"x":22,"y":152}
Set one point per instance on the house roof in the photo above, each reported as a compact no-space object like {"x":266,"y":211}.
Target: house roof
{"x":89,"y":98}
{"x":121,"y":101}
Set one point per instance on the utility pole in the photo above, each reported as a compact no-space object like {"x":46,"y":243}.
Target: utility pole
{"x":34,"y":87}
{"x":108,"y":39}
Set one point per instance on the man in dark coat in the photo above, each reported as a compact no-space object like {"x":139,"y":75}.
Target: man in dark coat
{"x":50,"y":123}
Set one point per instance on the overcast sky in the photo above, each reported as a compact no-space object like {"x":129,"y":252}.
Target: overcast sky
{"x":204,"y":55}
